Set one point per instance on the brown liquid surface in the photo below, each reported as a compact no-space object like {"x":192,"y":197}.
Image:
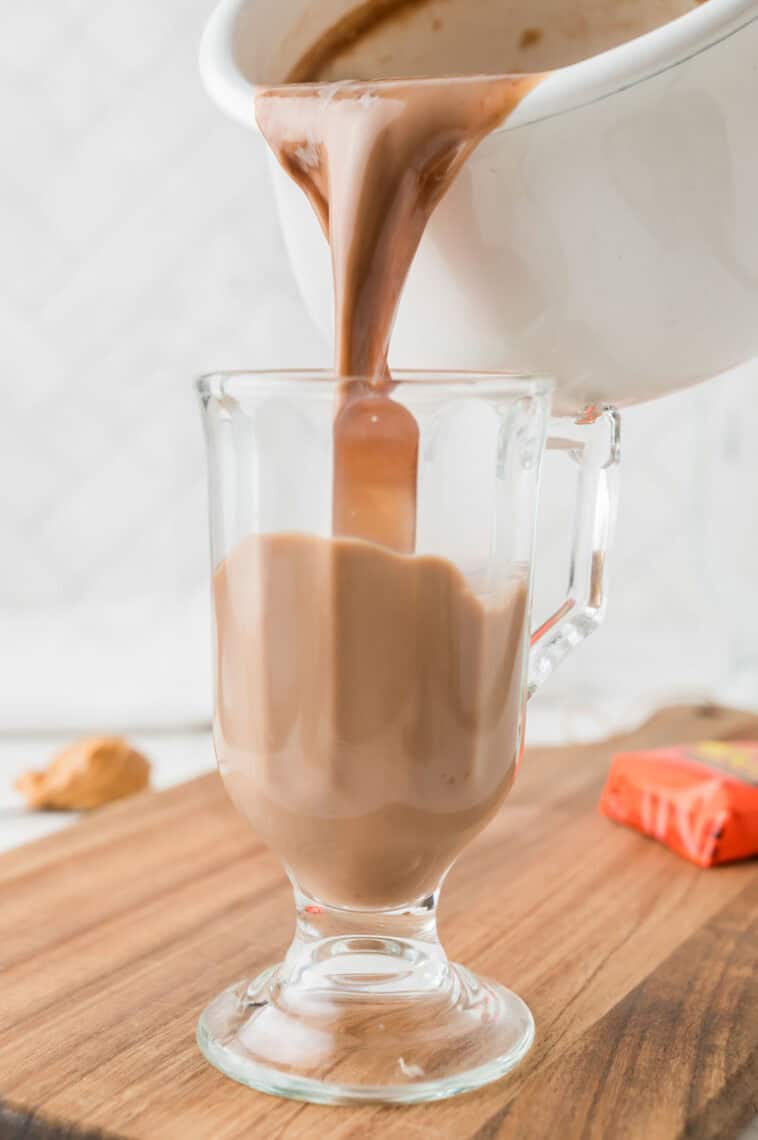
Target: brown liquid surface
{"x":369,"y":710}
{"x":375,"y":161}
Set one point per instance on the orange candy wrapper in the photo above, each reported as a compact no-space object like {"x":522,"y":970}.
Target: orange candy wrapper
{"x":701,"y":800}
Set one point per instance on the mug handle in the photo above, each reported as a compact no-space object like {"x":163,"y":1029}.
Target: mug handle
{"x":597,"y":456}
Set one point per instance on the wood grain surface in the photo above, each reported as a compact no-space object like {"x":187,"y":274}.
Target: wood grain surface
{"x":640,"y":969}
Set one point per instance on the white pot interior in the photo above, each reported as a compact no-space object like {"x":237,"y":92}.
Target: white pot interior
{"x":460,"y":37}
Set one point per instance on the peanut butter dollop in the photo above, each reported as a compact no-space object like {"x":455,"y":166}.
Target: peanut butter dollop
{"x":87,"y":774}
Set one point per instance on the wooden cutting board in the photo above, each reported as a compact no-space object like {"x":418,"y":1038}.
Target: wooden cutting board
{"x":640,"y":969}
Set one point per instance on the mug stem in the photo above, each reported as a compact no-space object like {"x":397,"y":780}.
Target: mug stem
{"x":365,"y":954}
{"x":366,"y":1007}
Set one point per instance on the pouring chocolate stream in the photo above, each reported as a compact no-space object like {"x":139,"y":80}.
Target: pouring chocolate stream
{"x":375,"y":159}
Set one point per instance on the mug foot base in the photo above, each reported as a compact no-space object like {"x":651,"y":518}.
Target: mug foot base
{"x":383,"y":1024}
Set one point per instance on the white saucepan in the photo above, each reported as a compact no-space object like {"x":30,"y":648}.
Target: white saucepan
{"x":606,"y":235}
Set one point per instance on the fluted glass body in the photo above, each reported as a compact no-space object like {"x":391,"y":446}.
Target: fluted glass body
{"x":373,"y":660}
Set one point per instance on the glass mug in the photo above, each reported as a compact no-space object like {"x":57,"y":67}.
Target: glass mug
{"x":369,"y":714}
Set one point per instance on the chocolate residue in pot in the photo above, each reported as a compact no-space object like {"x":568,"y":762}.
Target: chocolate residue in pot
{"x":530,"y":37}
{"x":356,"y":25}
